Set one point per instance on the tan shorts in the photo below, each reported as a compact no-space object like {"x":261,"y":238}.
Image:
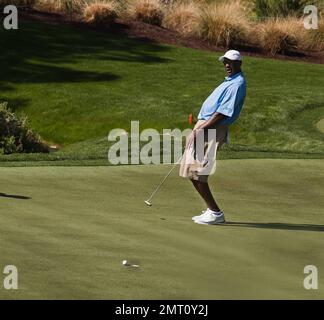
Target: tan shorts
{"x":197,"y":167}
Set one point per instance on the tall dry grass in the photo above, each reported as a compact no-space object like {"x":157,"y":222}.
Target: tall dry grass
{"x":184,"y":17}
{"x":101,"y":12}
{"x":282,"y":35}
{"x":317,"y":36}
{"x":225,"y":23}
{"x":149,"y":11}
{"x":59,"y":6}
{"x":17,"y":2}
{"x":49,"y":5}
{"x":275,"y":37}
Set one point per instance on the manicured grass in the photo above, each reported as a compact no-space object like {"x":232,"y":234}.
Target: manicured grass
{"x":95,"y":152}
{"x":69,"y":238}
{"x":76,"y":85}
{"x":320,"y":125}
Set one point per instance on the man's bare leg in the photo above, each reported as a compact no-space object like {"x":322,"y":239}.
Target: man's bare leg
{"x":205,"y":193}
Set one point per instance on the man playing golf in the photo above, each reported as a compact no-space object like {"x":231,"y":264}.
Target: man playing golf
{"x":219,"y":111}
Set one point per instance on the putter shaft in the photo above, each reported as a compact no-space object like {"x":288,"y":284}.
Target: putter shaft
{"x":148,"y":201}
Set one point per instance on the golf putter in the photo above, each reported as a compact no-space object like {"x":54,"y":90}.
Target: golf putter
{"x":148,"y":201}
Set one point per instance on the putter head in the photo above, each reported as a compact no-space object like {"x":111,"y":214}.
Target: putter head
{"x":148,"y":203}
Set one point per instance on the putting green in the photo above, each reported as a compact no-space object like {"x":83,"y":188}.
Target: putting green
{"x":68,"y":240}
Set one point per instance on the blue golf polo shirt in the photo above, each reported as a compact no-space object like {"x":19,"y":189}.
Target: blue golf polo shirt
{"x":227,"y":99}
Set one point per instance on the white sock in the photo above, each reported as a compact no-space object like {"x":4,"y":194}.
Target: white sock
{"x":215,"y":212}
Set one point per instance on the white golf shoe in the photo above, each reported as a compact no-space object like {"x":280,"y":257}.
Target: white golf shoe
{"x":210,"y":217}
{"x":200,"y":216}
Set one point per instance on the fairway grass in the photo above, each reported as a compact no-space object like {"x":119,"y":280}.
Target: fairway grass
{"x":76,"y":84}
{"x":75,"y":226}
{"x":320,"y":125}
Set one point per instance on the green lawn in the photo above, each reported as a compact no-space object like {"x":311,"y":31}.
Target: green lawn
{"x":76,"y":85}
{"x":320,"y":125}
{"x":68,"y":225}
{"x":69,"y":237}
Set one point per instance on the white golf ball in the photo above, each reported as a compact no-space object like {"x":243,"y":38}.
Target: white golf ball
{"x":125,"y":263}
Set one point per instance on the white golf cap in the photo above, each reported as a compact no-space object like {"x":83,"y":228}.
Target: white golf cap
{"x":231,"y":55}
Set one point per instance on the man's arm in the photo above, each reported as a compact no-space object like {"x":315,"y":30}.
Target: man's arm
{"x":211,"y":122}
{"x":217,"y":117}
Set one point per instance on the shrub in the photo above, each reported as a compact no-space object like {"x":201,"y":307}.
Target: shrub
{"x":317,"y":37}
{"x":278,"y":8}
{"x":17,"y":2}
{"x":50,"y":5}
{"x":276,"y":37}
{"x":183,"y":17}
{"x":285,"y":34}
{"x":15,"y":134}
{"x":67,"y":6}
{"x":224,"y":24}
{"x":101,"y":13}
{"x":149,"y":11}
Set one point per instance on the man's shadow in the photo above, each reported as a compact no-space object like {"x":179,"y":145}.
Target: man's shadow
{"x":278,"y":226}
{"x":15,"y":196}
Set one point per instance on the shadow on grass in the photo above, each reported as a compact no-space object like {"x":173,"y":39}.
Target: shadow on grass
{"x":6,"y":87}
{"x":310,"y":106}
{"x":54,"y":74}
{"x":16,"y":103}
{"x":14,"y":196}
{"x":37,"y":51}
{"x":277,"y":226}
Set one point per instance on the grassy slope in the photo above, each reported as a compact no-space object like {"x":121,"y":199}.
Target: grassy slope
{"x":320,"y":125}
{"x":76,"y":85}
{"x":69,"y":239}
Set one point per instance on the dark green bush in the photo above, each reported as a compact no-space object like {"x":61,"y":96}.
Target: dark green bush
{"x":279,"y":8}
{"x":15,"y":134}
